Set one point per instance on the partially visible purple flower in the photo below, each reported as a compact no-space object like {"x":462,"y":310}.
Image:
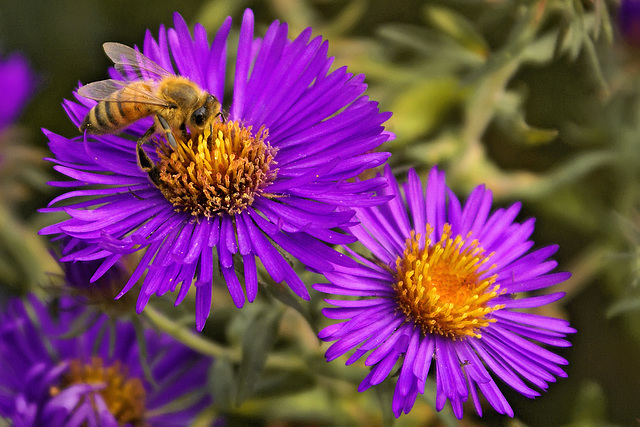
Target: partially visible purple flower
{"x":96,"y":378}
{"x":21,"y":171}
{"x":17,"y":84}
{"x":629,"y":21}
{"x":276,"y":174}
{"x":446,"y":288}
{"x":101,"y":293}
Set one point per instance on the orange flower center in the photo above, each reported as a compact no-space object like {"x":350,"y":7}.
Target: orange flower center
{"x":443,"y":287}
{"x":221,"y":172}
{"x":125,"y":397}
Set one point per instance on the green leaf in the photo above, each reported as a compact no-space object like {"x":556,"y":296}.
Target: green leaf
{"x":510,"y":117}
{"x":540,"y":50}
{"x":594,"y":61}
{"x":446,"y":414}
{"x":19,"y":247}
{"x":285,"y":295}
{"x":576,"y":35}
{"x":433,"y":50}
{"x":258,"y":340}
{"x":272,"y":384}
{"x":384,"y":392}
{"x":420,"y":108}
{"x":81,"y":324}
{"x":213,"y":13}
{"x":223,"y":383}
{"x":602,"y":16}
{"x":624,"y":305}
{"x":457,"y":27}
{"x":439,"y":149}
{"x":590,"y":407}
{"x":142,"y":345}
{"x":534,"y":135}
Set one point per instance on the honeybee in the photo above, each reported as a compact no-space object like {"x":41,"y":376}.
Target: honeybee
{"x":177,"y":103}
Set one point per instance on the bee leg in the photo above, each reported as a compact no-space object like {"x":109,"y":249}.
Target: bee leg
{"x":147,"y":135}
{"x":146,"y":164}
{"x":144,"y":161}
{"x":167,"y":131}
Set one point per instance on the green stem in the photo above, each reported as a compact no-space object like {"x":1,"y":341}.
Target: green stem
{"x":208,"y":348}
{"x":188,"y":337}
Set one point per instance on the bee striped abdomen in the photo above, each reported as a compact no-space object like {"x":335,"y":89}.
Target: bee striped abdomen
{"x":119,"y":110}
{"x":103,"y":117}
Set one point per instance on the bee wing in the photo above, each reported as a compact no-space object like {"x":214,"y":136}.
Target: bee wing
{"x":133,"y":65}
{"x":102,"y":91}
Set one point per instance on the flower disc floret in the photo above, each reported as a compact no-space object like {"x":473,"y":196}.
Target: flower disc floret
{"x":442,"y":288}
{"x":220,"y":173}
{"x":124,"y":397}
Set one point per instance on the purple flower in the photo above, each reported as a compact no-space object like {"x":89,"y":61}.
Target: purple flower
{"x":17,"y":83}
{"x":629,"y":21}
{"x":445,"y":287}
{"x":101,"y":293}
{"x":297,"y":132}
{"x":95,"y":378}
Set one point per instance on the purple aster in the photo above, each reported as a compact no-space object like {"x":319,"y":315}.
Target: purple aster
{"x":17,"y":83}
{"x":101,"y":293}
{"x":95,"y":378}
{"x":446,"y":287}
{"x":274,"y":175}
{"x":629,"y":21}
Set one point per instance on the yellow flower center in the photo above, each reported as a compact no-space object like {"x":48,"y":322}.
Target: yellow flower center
{"x":442,"y":287}
{"x":222,"y":172}
{"x":125,"y":397}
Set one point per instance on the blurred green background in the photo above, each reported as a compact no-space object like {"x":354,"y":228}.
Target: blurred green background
{"x":539,"y":100}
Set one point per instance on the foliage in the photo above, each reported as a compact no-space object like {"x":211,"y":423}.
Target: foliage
{"x":537,"y":99}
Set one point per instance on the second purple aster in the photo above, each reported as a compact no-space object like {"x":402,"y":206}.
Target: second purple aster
{"x":445,"y":289}
{"x":95,"y":378}
{"x":275,"y":174}
{"x":17,"y":84}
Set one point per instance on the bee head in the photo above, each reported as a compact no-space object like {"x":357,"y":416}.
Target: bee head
{"x":202,"y":115}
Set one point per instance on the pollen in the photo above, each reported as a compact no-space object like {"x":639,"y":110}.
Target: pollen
{"x":444,"y":286}
{"x":125,"y":397}
{"x":220,"y":172}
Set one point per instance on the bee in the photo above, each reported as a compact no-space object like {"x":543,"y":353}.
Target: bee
{"x":178,"y":104}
